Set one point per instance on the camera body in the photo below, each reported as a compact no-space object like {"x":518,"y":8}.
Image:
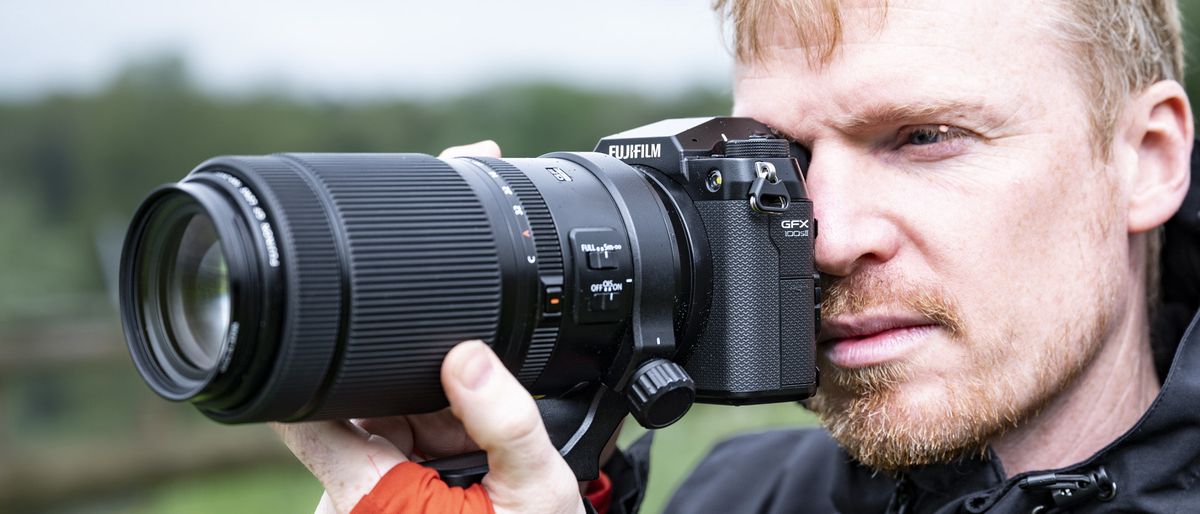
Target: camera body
{"x":763,"y":301}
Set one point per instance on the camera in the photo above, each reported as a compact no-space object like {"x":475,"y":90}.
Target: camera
{"x":673,"y":264}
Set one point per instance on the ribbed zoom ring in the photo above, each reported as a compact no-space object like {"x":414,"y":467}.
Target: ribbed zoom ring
{"x":549,"y":259}
{"x":424,"y":275}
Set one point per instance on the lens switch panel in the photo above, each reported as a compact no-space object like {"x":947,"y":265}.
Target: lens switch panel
{"x":603,"y":275}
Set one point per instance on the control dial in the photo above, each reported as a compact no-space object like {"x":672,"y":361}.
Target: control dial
{"x":660,"y":393}
{"x":757,"y":147}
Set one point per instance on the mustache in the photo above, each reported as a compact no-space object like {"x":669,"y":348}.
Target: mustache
{"x":874,"y":290}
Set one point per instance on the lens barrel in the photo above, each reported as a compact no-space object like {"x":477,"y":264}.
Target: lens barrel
{"x":319,"y":286}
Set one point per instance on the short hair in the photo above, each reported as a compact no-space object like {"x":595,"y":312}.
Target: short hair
{"x":1119,"y":46}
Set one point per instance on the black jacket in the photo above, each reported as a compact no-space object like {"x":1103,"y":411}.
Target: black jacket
{"x":1154,"y":467}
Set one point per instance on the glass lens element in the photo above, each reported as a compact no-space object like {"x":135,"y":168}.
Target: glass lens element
{"x":198,"y":294}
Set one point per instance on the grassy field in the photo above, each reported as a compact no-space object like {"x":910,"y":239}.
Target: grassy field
{"x":291,"y":489}
{"x":280,"y":489}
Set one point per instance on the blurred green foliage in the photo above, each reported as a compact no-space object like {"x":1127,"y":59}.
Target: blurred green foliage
{"x":1190,"y":14}
{"x":73,"y":168}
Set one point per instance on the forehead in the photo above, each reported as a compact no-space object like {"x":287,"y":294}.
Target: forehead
{"x":995,"y":52}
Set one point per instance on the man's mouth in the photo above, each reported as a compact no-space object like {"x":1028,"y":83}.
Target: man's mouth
{"x":868,"y":340}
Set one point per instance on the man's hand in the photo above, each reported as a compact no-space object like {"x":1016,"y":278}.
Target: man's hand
{"x":486,"y":148}
{"x":489,"y":410}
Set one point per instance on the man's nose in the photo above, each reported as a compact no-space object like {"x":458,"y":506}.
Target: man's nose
{"x":859,"y":227}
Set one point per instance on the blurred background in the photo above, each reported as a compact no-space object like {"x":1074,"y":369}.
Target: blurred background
{"x":102,"y":101}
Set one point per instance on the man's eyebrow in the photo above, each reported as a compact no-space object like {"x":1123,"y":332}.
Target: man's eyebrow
{"x":930,"y":111}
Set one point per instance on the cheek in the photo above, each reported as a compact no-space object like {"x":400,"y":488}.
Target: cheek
{"x":1068,"y":236}
{"x":1018,"y":250}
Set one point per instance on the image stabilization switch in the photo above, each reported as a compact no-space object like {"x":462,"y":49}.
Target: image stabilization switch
{"x":601,"y":303}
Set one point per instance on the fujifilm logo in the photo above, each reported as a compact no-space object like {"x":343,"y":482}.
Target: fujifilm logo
{"x":636,"y":151}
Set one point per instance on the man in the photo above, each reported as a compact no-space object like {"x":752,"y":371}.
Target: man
{"x":991,"y":178}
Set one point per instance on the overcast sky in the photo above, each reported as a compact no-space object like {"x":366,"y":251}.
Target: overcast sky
{"x":356,"y":48}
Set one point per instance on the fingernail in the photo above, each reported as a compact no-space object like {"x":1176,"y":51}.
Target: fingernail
{"x":477,"y":369}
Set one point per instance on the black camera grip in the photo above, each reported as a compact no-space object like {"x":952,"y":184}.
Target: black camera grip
{"x":758,"y":342}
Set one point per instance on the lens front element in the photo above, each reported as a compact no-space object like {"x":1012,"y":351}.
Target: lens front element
{"x":198,"y":294}
{"x":179,"y":283}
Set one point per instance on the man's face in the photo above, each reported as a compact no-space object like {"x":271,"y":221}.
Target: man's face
{"x":977,"y":248}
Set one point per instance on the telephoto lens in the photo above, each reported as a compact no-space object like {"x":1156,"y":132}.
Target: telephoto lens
{"x":318,"y":286}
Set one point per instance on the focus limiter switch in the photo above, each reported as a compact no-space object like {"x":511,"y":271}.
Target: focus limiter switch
{"x":602,"y":259}
{"x":603,"y":275}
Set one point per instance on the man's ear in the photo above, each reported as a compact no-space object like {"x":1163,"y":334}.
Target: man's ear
{"x":1160,"y":131}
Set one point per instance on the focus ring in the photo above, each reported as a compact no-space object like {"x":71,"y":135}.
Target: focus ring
{"x":312,"y":271}
{"x":549,"y":258}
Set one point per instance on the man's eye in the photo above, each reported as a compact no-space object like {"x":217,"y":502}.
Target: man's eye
{"x":929,"y":134}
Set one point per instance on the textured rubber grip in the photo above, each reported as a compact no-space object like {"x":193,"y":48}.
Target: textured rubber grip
{"x":739,"y":352}
{"x":797,"y":328}
{"x":423,"y":276}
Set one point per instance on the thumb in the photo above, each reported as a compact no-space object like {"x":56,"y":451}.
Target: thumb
{"x":502,"y":418}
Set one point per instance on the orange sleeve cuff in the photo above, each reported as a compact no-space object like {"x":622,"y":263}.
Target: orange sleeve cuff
{"x":410,"y":488}
{"x":599,"y":493}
